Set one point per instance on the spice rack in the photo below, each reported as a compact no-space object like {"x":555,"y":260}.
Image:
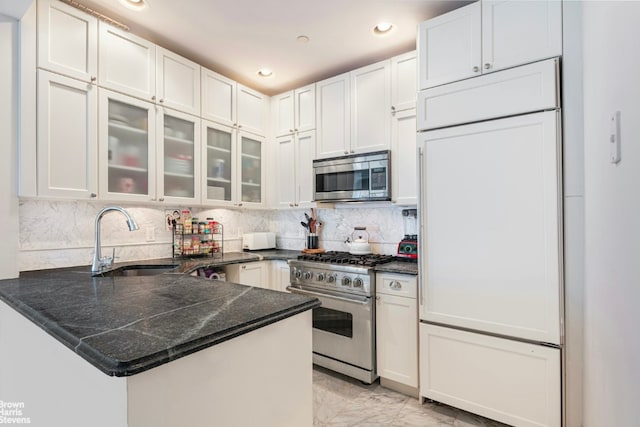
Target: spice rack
{"x":203,"y":243}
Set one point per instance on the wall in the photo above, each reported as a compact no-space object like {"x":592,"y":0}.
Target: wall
{"x":612,"y":219}
{"x":8,"y":147}
{"x":61,"y":233}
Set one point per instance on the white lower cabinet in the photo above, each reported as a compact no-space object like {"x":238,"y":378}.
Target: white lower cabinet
{"x":279,"y":275}
{"x":397,"y":328}
{"x":67,"y":155}
{"x":249,"y":273}
{"x":510,"y":381}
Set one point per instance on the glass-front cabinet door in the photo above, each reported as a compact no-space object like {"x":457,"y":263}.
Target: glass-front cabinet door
{"x":127,"y":148}
{"x":178,"y":159}
{"x":219,"y":164}
{"x":252,"y":173}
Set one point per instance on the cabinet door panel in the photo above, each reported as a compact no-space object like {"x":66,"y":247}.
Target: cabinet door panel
{"x":403,"y":157}
{"x":280,"y":278}
{"x":178,"y":82}
{"x":397,"y":339}
{"x":67,"y":137}
{"x":491,"y":195}
{"x":510,"y":381}
{"x":404,"y":81}
{"x":284,"y":112}
{"x":285,"y":171}
{"x":127,"y":148}
{"x":67,"y":40}
{"x":449,"y":47}
{"x":219,"y":164}
{"x":218,"y":98}
{"x":120,"y":53}
{"x":333,"y":116}
{"x":252,"y":110}
{"x":306,"y":150}
{"x":178,"y":157}
{"x":518,"y":32}
{"x":371,"y":107}
{"x":305,"y":108}
{"x":252,"y":171}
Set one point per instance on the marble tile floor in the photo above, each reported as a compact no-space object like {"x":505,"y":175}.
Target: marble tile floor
{"x":340,"y":401}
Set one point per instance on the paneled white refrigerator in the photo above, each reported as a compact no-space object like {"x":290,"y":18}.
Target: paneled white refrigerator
{"x":489,"y":153}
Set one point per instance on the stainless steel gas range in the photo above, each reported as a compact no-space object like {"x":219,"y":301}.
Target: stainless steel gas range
{"x":344,"y":325}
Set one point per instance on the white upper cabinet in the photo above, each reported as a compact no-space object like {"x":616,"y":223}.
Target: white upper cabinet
{"x":67,"y":155}
{"x":294,"y":170}
{"x":218,"y":98}
{"x":127,"y":144}
{"x":403,"y":157}
{"x":177,"y":82}
{"x":295,"y":111}
{"x":517,"y":32}
{"x":67,"y":40}
{"x":127,"y":63}
{"x":252,"y":110}
{"x":449,"y":47}
{"x":403,"y":81}
{"x":487,"y":36}
{"x":371,"y":107}
{"x":333,"y":118}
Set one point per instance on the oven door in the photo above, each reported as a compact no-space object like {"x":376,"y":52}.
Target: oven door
{"x":343,"y":327}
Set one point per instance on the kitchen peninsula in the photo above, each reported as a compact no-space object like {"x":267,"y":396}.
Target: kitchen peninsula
{"x":176,"y":350}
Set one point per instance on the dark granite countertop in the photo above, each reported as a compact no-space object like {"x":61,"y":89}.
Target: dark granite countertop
{"x":401,"y":267}
{"x":127,"y":325}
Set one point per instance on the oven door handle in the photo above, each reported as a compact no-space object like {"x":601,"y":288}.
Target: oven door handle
{"x":363,"y":301}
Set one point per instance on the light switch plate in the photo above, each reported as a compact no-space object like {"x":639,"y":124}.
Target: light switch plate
{"x":614,"y":138}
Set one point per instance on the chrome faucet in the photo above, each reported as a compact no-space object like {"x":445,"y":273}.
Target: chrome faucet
{"x":99,"y":262}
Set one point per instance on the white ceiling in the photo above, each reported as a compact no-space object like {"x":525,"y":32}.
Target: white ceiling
{"x":238,"y":37}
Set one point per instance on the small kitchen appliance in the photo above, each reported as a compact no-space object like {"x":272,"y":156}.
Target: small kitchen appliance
{"x":359,"y":245}
{"x":408,"y":246}
{"x":258,"y":241}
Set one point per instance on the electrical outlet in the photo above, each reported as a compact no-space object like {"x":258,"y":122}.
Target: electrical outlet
{"x":151,"y":234}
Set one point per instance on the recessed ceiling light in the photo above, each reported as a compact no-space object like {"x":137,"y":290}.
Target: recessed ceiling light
{"x":383,"y":28}
{"x":265,"y":72}
{"x":134,"y":4}
{"x":302,"y":39}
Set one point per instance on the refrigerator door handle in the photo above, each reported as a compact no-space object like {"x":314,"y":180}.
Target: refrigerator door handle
{"x":421,"y":235}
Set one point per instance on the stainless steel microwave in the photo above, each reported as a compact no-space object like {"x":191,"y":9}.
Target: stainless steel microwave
{"x":353,"y":178}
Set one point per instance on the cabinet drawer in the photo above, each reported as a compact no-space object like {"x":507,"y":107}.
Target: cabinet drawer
{"x":404,"y":285}
{"x":510,"y":381}
{"x":532,"y":87}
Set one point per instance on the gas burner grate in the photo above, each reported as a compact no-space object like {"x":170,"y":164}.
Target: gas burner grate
{"x":334,"y":257}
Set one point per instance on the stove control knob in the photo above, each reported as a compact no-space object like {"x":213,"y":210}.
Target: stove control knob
{"x":331,"y":279}
{"x":320,"y":277}
{"x":308,"y":275}
{"x":346,"y":281}
{"x":357,"y":282}
{"x":298,"y":274}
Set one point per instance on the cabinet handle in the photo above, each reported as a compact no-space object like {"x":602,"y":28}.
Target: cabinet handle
{"x":290,"y":130}
{"x":153,"y":199}
{"x":476,"y":69}
{"x":487,"y":66}
{"x":161,"y":100}
{"x":94,"y":78}
{"x":93,"y":195}
{"x":346,"y":152}
{"x":239,"y":126}
{"x":153,"y":98}
{"x":161,"y":199}
{"x":290,"y":204}
{"x":244,"y":267}
{"x":395,"y":285}
{"x":239,"y":204}
{"x":295,"y":130}
{"x":296,"y":204}
{"x":393,"y":109}
{"x":353,"y":151}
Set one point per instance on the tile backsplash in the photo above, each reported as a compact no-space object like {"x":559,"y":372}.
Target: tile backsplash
{"x":61,"y":233}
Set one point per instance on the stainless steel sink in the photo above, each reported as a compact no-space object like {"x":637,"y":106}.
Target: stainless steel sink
{"x":138,"y":270}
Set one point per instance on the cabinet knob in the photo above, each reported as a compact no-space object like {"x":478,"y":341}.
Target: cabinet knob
{"x":290,"y":204}
{"x":153,"y":98}
{"x":93,"y":195}
{"x":244,"y":267}
{"x":296,"y":204}
{"x":161,"y":100}
{"x":353,"y":151}
{"x":94,"y":78}
{"x":153,"y":199}
{"x":290,"y":130}
{"x":346,"y":152}
{"x":239,"y":204}
{"x":393,"y":109}
{"x":476,"y":69}
{"x":487,"y":66}
{"x":239,"y":126}
{"x":161,"y":199}
{"x":295,"y":130}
